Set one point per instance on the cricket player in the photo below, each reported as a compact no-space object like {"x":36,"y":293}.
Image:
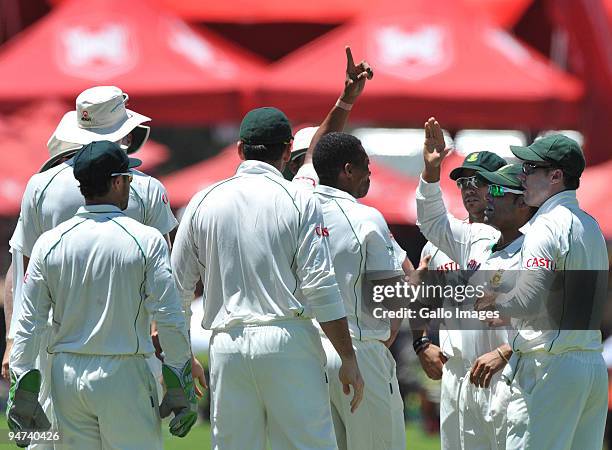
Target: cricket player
{"x":557,"y":373}
{"x":52,"y":196}
{"x":363,"y":252}
{"x":495,"y":259}
{"x":447,"y":361}
{"x":103,"y":277}
{"x":253,"y":240}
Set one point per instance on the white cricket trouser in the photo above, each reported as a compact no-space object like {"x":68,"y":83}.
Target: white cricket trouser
{"x":453,"y":374}
{"x":482,"y":414}
{"x":105,"y":402}
{"x":269,"y":379}
{"x":378,"y":423}
{"x":558,"y":402}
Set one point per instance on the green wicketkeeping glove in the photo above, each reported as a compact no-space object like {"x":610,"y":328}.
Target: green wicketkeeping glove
{"x":180,"y":399}
{"x":23,"y":411}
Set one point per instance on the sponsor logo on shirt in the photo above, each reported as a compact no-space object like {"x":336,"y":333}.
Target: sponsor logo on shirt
{"x":448,"y":267}
{"x":322,"y":231}
{"x":473,"y":265}
{"x":540,"y":262}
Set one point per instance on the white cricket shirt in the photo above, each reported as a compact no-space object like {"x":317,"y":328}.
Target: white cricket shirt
{"x":53,"y":196}
{"x":559,"y":237}
{"x":104,"y":277}
{"x":254,"y":240}
{"x":362,"y":249}
{"x":471,"y":246}
{"x":307,"y":176}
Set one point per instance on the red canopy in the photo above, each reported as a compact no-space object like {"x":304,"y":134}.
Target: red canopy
{"x":390,"y":192}
{"x":171,"y":72}
{"x":430,"y":58}
{"x":23,"y":136}
{"x":503,"y":12}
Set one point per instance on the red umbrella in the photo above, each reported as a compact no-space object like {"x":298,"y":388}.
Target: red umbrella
{"x":23,"y":136}
{"x":430,"y":58}
{"x":171,"y":72}
{"x":594,"y":197}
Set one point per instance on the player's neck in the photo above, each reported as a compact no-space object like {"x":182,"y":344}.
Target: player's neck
{"x":476,"y":218}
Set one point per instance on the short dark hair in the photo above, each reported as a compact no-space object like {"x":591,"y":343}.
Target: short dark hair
{"x":264,"y":152}
{"x":332,"y":152}
{"x":95,"y":188}
{"x":570,"y":182}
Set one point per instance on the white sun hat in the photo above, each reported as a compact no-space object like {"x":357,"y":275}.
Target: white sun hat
{"x":101,"y":115}
{"x":58,"y":150}
{"x":301,"y":141}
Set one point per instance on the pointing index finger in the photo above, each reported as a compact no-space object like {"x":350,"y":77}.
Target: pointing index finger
{"x":350,"y":64}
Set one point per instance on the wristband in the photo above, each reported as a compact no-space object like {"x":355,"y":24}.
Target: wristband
{"x":421,"y":344}
{"x":502,"y":355}
{"x":343,"y":105}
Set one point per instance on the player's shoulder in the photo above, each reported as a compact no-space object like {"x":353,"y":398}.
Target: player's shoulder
{"x":138,"y":231}
{"x":50,"y":237}
{"x":482,"y":231}
{"x":40,"y":181}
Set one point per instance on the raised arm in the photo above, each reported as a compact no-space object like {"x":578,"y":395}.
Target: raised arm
{"x":354,"y":83}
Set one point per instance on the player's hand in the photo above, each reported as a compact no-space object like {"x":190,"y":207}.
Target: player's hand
{"x":356,"y":76}
{"x":23,"y":411}
{"x":197,"y":372}
{"x":5,"y":359}
{"x":485,"y":367}
{"x":486,"y":302}
{"x":159,"y":352}
{"x":434,"y":148}
{"x":415,"y":277}
{"x":432,"y":360}
{"x":179,"y":399}
{"x":350,"y":376}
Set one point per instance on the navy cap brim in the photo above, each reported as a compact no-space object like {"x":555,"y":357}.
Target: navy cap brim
{"x":133,"y":162}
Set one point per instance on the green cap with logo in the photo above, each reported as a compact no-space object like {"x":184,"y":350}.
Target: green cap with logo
{"x":99,"y":160}
{"x":479,"y":161}
{"x":557,"y":150}
{"x":266,"y":125}
{"x":506,"y":176}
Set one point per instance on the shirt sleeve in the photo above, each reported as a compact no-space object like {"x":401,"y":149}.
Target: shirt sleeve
{"x":384,"y":256}
{"x":33,"y":318}
{"x":159,"y":214}
{"x":18,"y":270}
{"x":307,"y":176}
{"x":29,"y":227}
{"x":314,"y":267}
{"x":450,"y":235}
{"x":539,"y":258}
{"x":165,"y":305}
{"x":185,"y":262}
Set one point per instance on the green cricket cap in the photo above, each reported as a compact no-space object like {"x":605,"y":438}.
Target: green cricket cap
{"x":99,"y":159}
{"x":507,"y":176}
{"x":265,"y":126}
{"x":479,"y":161}
{"x":557,"y":150}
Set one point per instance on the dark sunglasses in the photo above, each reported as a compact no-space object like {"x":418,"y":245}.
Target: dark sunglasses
{"x":529,"y":167}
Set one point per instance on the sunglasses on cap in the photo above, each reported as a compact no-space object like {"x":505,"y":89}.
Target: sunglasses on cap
{"x":496,"y":190}
{"x":469,"y":182}
{"x":130,"y":175}
{"x":529,"y":167}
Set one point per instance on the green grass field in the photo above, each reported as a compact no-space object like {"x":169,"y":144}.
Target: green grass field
{"x":199,"y":438}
